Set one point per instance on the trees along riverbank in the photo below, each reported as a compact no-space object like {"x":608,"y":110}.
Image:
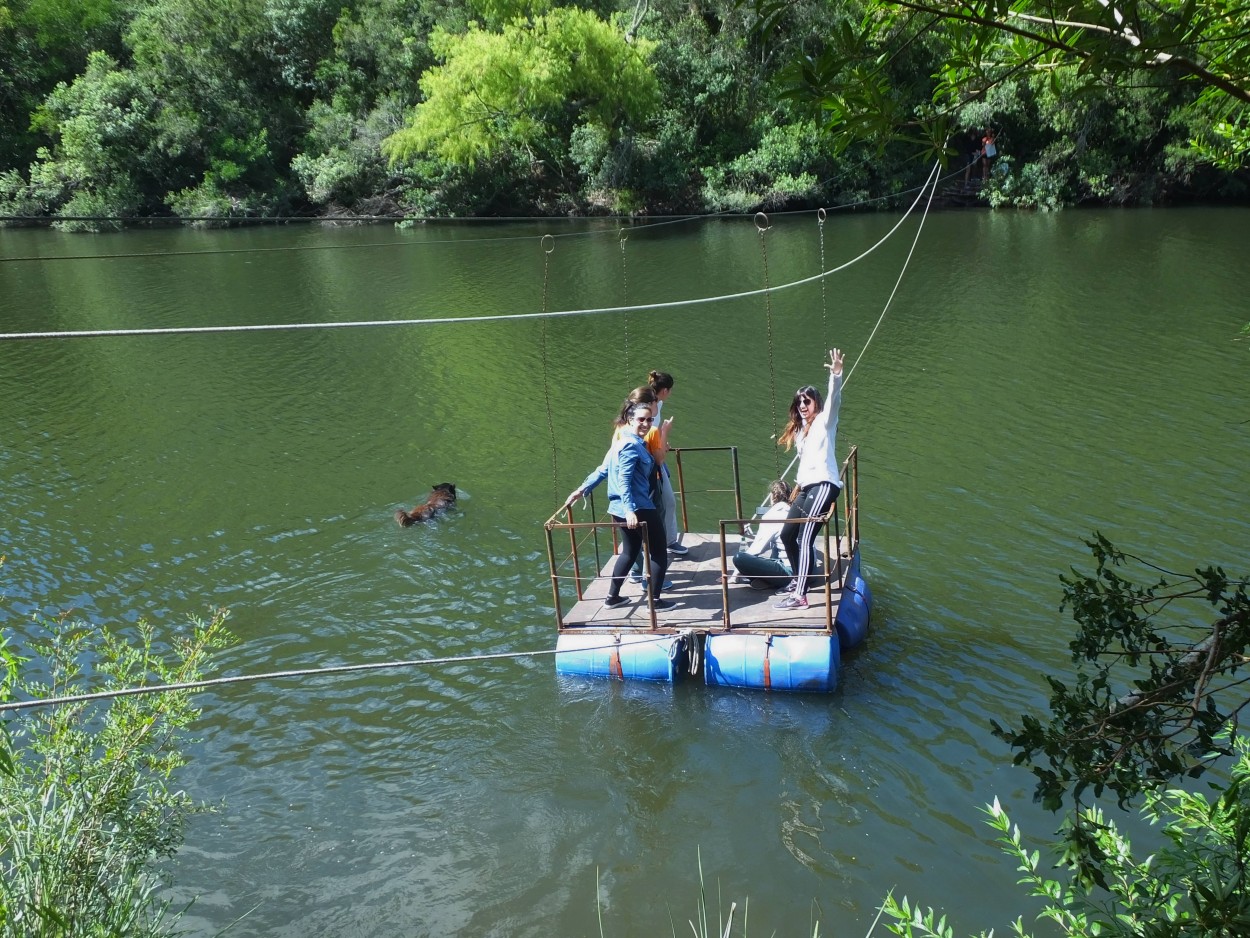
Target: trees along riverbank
{"x":228,"y":108}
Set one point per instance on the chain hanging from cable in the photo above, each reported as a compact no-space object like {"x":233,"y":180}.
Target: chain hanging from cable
{"x":622,"y":237}
{"x":548,"y":244}
{"x":762,"y":226}
{"x":821,"y":214}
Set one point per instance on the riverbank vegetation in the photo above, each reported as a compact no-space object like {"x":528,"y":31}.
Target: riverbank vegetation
{"x":220,"y":109}
{"x":87,"y":803}
{"x":1156,"y":696}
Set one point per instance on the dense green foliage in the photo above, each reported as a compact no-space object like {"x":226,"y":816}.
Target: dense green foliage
{"x":1195,"y":886}
{"x":218,"y":109}
{"x":86,"y":806}
{"x":1155,"y":697}
{"x":1119,"y":103}
{"x":1158,"y":680}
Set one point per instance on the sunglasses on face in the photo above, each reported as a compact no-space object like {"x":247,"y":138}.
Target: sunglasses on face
{"x":643,"y":419}
{"x":805,"y":400}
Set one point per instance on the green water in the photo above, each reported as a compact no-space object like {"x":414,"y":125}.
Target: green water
{"x":1033,"y":379}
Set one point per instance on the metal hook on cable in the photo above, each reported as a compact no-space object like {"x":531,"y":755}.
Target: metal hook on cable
{"x":544,"y":241}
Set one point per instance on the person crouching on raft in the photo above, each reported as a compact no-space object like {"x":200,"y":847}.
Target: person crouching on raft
{"x":813,"y":428}
{"x":631,"y":473}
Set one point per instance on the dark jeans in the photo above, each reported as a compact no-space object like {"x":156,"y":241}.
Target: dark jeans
{"x":799,"y":540}
{"x":762,"y":568}
{"x":631,"y":550}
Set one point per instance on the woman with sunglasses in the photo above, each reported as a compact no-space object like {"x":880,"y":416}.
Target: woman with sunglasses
{"x":631,"y":473}
{"x":813,"y":428}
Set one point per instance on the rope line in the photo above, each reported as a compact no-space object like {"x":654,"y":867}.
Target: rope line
{"x":448,"y":320}
{"x":551,"y":423}
{"x":768,"y":311}
{"x":932,"y":173}
{"x":344,"y":247}
{"x":824,"y":318}
{"x":457,"y":659}
{"x":622,"y":237}
{"x":298,"y":672}
{"x":912,"y":250}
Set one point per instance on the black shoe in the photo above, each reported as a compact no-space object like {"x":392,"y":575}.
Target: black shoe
{"x":664,"y":605}
{"x":613,"y":601}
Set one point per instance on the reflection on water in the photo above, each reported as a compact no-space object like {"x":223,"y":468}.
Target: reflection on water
{"x":1035,"y":378}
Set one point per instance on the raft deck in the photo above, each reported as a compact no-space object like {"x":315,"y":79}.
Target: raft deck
{"x":696,"y":579}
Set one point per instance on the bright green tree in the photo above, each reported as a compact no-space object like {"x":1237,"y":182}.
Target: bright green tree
{"x":524,"y":90}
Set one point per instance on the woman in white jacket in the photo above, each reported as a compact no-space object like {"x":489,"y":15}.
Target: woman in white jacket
{"x":813,"y":428}
{"x":761,"y":560}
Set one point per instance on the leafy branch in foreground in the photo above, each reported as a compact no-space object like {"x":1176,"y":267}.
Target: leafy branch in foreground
{"x":1194,"y":886}
{"x":85,"y":802}
{"x":1156,"y":684}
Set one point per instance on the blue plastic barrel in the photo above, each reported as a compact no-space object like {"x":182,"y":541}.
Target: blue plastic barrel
{"x":772,"y":662}
{"x":640,"y":657}
{"x":854,"y":611}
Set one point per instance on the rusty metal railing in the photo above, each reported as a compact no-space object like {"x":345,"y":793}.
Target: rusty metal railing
{"x":564,"y":519}
{"x":849,"y":496}
{"x":843,"y":513}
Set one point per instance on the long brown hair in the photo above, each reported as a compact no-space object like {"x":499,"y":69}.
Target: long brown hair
{"x":779,"y":491}
{"x":642,"y":395}
{"x":795,"y":423}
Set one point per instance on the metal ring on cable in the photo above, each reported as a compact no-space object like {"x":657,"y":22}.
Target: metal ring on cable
{"x":761,"y":228}
{"x":622,"y":235}
{"x":543,"y":242}
{"x":821,"y":215}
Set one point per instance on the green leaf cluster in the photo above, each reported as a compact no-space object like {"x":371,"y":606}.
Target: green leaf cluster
{"x":86,"y":801}
{"x":1157,"y":681}
{"x":1195,"y":886}
{"x":527,"y":87}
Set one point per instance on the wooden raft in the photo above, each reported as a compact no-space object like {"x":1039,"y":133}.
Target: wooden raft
{"x":696,"y":580}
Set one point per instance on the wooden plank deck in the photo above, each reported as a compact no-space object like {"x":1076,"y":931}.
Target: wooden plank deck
{"x":696,"y":580}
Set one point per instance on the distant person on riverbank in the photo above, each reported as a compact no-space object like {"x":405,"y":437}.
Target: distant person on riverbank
{"x":762,"y":559}
{"x":813,"y":428}
{"x":989,"y":150}
{"x":972,"y":150}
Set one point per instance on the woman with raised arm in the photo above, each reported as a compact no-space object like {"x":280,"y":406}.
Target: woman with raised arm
{"x":813,"y":428}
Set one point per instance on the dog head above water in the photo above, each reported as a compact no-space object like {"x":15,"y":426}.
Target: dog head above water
{"x":441,"y":497}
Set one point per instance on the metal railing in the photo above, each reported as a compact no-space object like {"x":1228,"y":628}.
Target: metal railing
{"x":584,"y":536}
{"x":848,"y":496}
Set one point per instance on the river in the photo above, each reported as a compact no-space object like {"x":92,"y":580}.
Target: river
{"x":1034,"y":378}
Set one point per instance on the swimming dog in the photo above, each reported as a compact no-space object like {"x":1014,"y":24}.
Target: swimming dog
{"x":442,"y":497}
